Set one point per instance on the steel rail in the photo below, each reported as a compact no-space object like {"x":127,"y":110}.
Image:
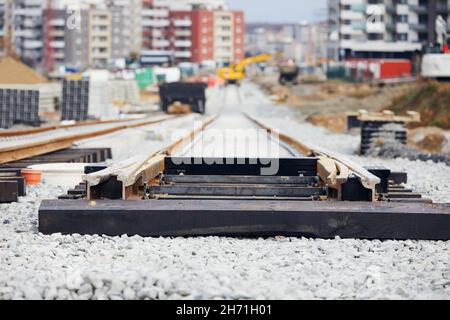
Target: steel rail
{"x":32,"y":147}
{"x":25,"y":132}
{"x":333,"y":169}
{"x":131,"y":175}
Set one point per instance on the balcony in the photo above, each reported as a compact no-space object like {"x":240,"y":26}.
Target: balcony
{"x":182,"y":33}
{"x":402,"y":9}
{"x":418,"y":9}
{"x":419,"y":27}
{"x":183,"y":44}
{"x":376,"y":9}
{"x":352,"y":15}
{"x":359,"y":8}
{"x":32,"y":44}
{"x":376,"y":27}
{"x":182,"y":23}
{"x":359,"y":26}
{"x":28,"y":12}
{"x":155,"y":23}
{"x":155,"y":13}
{"x":183,"y":54}
{"x":402,"y":27}
{"x":57,"y":44}
{"x":160,"y":43}
{"x":27,"y":33}
{"x":58,"y":23}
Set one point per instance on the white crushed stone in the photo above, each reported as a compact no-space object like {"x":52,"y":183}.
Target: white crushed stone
{"x":34,"y":266}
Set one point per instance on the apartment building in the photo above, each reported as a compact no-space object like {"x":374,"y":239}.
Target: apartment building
{"x":102,"y":33}
{"x":126,"y":17}
{"x":5,"y":25}
{"x":27,"y":25}
{"x":228,"y":36}
{"x":191,"y":35}
{"x":99,"y":37}
{"x":194,"y":31}
{"x":383,"y":28}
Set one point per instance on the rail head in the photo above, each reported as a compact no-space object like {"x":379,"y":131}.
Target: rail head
{"x":333,"y":169}
{"x":132,"y":174}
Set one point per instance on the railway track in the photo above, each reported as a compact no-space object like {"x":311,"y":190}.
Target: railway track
{"x":23,"y":144}
{"x":196,"y":186}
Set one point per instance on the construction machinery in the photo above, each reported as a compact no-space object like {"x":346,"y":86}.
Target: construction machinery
{"x":192,"y":94}
{"x":289,"y":72}
{"x":436,"y":65}
{"x":235,"y":73}
{"x":436,"y":62}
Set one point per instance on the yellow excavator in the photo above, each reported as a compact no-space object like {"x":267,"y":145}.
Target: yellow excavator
{"x":234,"y":73}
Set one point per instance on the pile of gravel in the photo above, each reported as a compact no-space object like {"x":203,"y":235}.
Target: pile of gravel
{"x":398,"y":150}
{"x":34,"y":266}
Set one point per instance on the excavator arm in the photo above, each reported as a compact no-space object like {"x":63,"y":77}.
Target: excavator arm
{"x":236,"y":72}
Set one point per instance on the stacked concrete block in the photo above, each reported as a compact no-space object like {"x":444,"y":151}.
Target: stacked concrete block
{"x":19,"y":106}
{"x":124,"y":91}
{"x":374,"y":133}
{"x":49,"y":94}
{"x":75,"y":100}
{"x":6,"y":113}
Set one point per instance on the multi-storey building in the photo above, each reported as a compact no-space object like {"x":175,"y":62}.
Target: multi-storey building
{"x":228,"y":36}
{"x":383,"y":28}
{"x":191,"y":35}
{"x":127,"y":26}
{"x":99,"y":37}
{"x":101,"y":34}
{"x":27,"y":35}
{"x":5,"y":26}
{"x":195,"y":31}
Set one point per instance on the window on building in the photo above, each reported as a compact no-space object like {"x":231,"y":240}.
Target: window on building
{"x":403,"y":18}
{"x":375,"y":36}
{"x":402,"y":37}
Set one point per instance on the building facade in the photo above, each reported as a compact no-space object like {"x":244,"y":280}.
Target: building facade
{"x":100,"y":34}
{"x":83,"y":33}
{"x":27,"y":34}
{"x":191,"y":31}
{"x":383,"y":28}
{"x":5,"y":26}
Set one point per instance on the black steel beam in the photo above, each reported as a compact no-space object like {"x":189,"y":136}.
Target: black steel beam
{"x":240,"y":166}
{"x":247,"y":218}
{"x":237,"y":190}
{"x":239,"y":179}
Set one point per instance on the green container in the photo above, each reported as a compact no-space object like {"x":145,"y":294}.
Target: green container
{"x":336,"y":73}
{"x":145,"y":77}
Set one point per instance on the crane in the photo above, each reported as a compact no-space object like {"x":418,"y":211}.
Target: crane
{"x":234,"y":73}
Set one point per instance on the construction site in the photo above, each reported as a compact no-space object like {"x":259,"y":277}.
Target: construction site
{"x":207,"y":174}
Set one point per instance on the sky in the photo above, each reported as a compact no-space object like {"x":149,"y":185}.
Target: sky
{"x":274,"y":11}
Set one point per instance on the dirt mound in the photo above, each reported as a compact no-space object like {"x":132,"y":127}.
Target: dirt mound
{"x":431,"y":99}
{"x":431,"y":139}
{"x":359,"y":91}
{"x":335,"y":122}
{"x":15,"y":72}
{"x":179,"y":108}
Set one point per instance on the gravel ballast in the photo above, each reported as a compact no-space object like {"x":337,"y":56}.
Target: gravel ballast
{"x":34,"y":266}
